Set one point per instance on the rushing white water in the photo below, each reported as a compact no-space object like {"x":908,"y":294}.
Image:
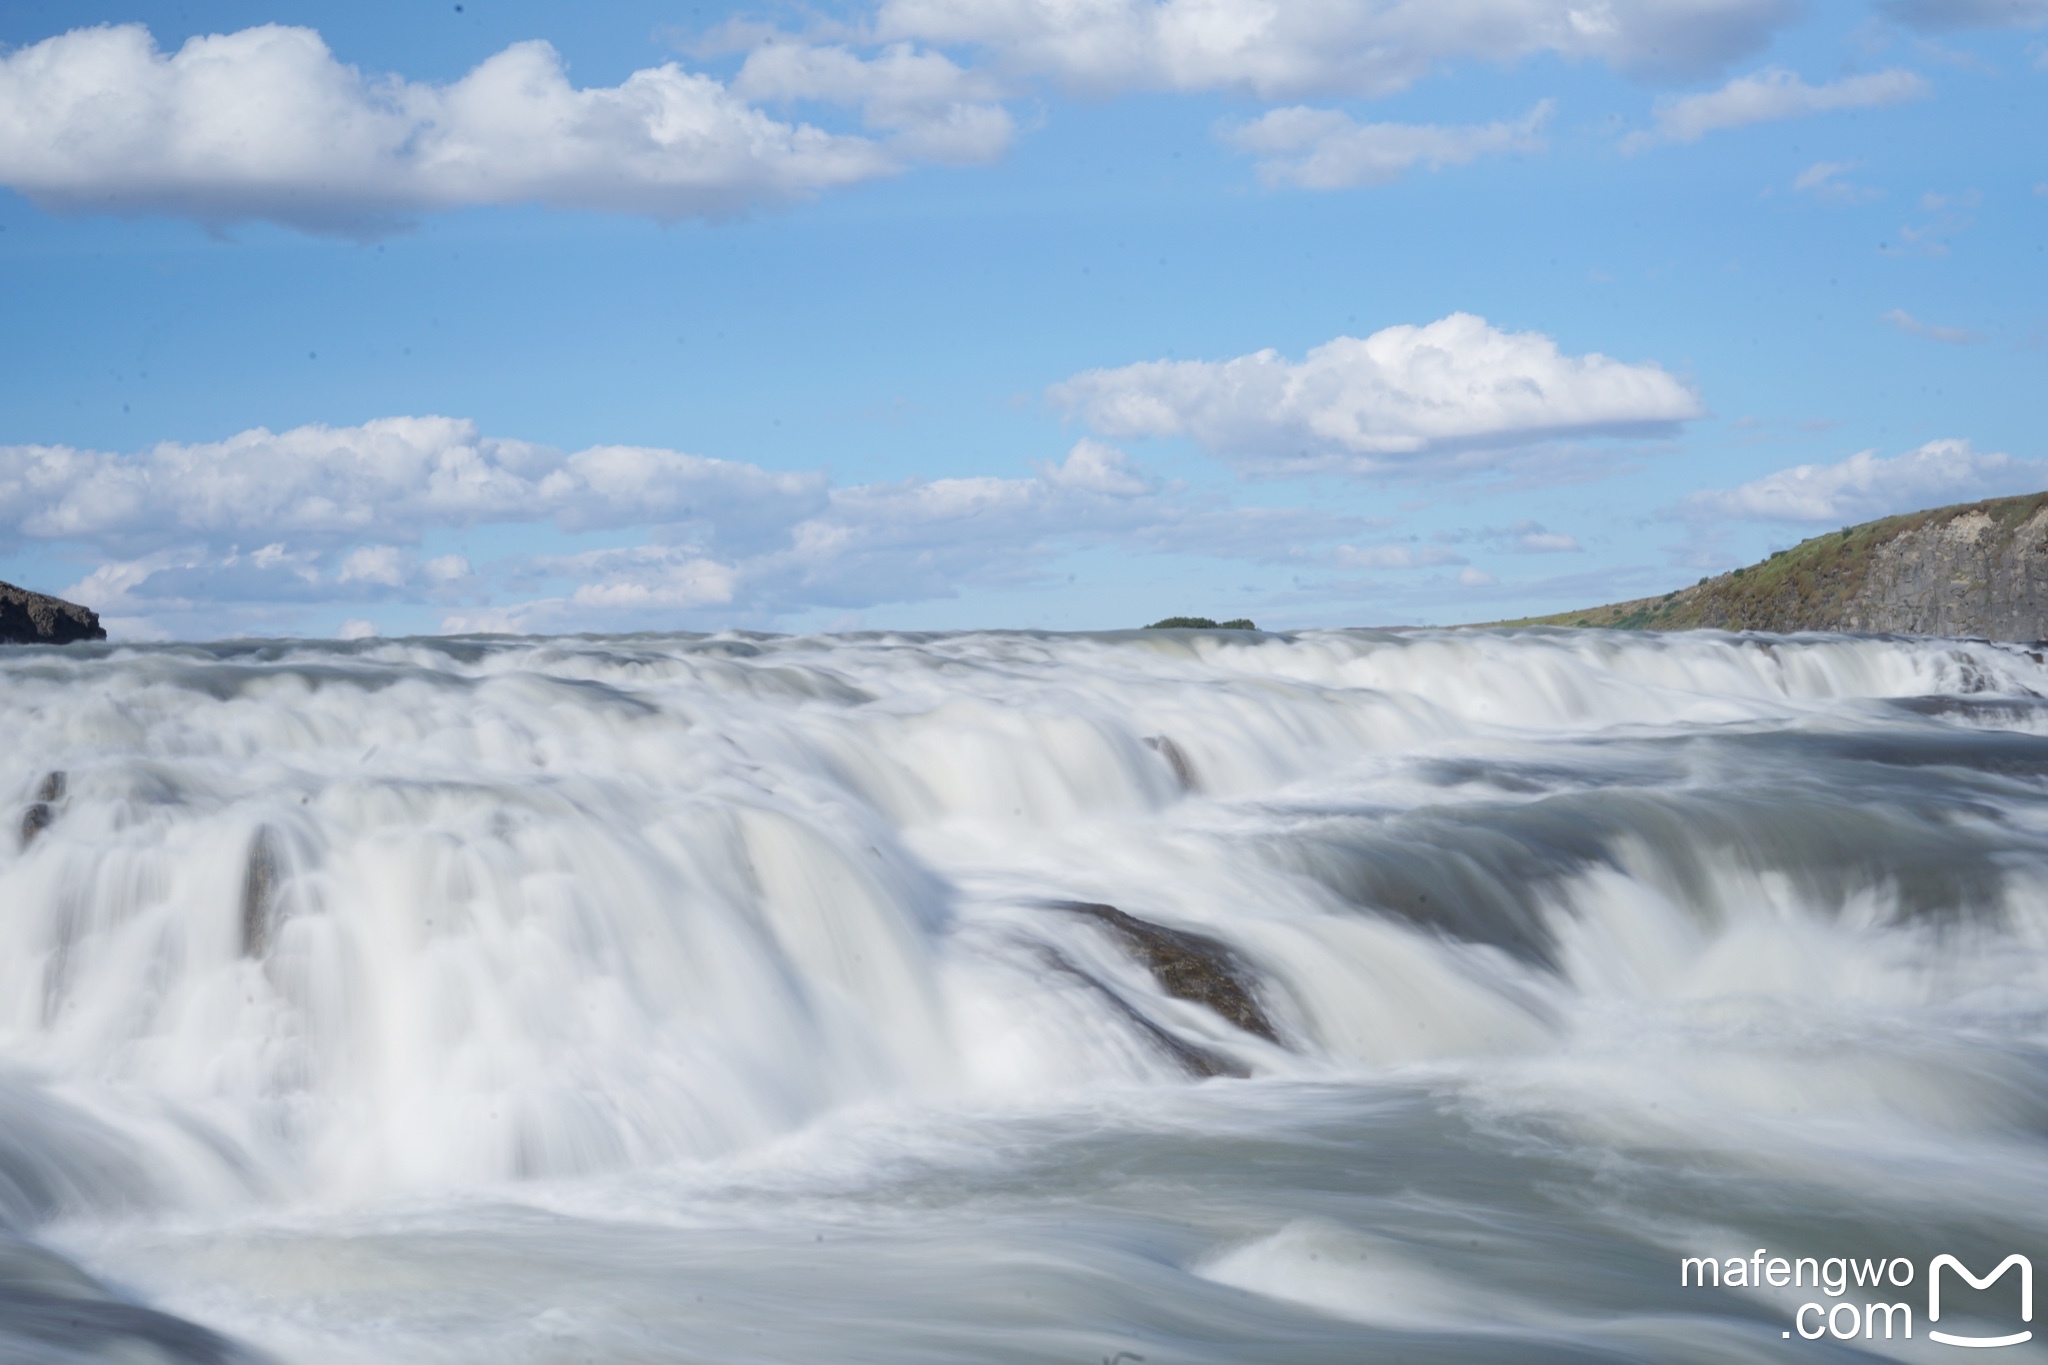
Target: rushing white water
{"x":1201,"y":996}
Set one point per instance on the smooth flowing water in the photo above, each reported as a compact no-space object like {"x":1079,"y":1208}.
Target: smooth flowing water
{"x":1162,"y":996}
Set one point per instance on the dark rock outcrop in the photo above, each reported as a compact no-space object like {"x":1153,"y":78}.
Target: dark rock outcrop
{"x":1176,"y":759}
{"x":261,"y":879}
{"x":30,"y":618}
{"x":1975,"y":569}
{"x":1200,"y":1062}
{"x":1192,"y":967}
{"x":43,"y":810}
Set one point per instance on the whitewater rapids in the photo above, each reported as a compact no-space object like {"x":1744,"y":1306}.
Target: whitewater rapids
{"x":1163,"y":996}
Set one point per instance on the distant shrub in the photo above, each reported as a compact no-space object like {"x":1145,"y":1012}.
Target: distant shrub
{"x":1201,"y":623}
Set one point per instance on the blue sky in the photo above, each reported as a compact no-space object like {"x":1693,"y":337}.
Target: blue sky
{"x":935,"y":314}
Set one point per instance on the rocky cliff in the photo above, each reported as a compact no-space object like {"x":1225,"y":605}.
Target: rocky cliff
{"x":1977,"y":569}
{"x":30,"y":618}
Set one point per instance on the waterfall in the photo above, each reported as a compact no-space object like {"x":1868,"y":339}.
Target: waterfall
{"x":298,"y":940}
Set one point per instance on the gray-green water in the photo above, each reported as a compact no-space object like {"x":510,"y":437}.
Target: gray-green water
{"x":687,"y":999}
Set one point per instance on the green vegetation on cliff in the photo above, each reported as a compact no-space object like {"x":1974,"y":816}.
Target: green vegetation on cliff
{"x":1971,"y":568}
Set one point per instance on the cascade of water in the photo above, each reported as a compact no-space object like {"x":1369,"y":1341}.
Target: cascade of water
{"x":317,"y":922}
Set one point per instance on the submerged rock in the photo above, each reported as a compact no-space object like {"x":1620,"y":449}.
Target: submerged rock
{"x":31,"y":618}
{"x":42,"y":810}
{"x":1191,"y":967}
{"x":53,"y":1313}
{"x":1176,"y":759}
{"x":1200,"y":1062}
{"x":259,"y":893}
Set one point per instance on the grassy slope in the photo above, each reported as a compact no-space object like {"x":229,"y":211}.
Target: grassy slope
{"x":1807,"y":587}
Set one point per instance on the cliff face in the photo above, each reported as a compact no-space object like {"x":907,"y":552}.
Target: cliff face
{"x":1982,"y":571}
{"x":1975,"y":569}
{"x":30,"y":618}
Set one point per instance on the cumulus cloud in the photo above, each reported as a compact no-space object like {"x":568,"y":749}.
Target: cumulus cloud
{"x":255,"y":531}
{"x":393,"y":478}
{"x":911,"y":540}
{"x":1868,"y":485}
{"x":1937,"y":16}
{"x":1403,"y":399}
{"x":1770,"y":95}
{"x":267,"y":124}
{"x":1325,"y":149}
{"x":932,"y":108}
{"x":1323,"y":47}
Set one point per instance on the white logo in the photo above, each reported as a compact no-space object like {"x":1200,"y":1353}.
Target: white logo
{"x":2026,"y":1298}
{"x":1838,"y":1275}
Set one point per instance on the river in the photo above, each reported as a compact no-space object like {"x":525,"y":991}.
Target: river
{"x":1010,"y":997}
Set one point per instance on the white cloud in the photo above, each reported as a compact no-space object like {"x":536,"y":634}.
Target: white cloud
{"x":255,"y":531}
{"x":1950,"y":214}
{"x":1534,"y":538}
{"x":1825,"y":181}
{"x":1394,"y":556}
{"x":1868,"y":485}
{"x":932,"y":108}
{"x":1521,"y":537}
{"x":1548,"y":542}
{"x":391,"y":478}
{"x":1404,"y":398}
{"x":1935,"y":16}
{"x":871,"y":543}
{"x":266,"y":124}
{"x":1769,"y":95}
{"x":1322,"y":47}
{"x":1470,"y":577}
{"x":644,"y":576}
{"x":1325,"y":149}
{"x":385,"y":564}
{"x":1906,"y":322}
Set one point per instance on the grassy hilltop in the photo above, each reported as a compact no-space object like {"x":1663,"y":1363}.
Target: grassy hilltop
{"x":1977,"y":568}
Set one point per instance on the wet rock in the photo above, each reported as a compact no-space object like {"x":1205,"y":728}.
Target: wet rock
{"x":31,"y":618}
{"x":1176,"y":759}
{"x":1199,"y":1062}
{"x":1191,"y":967}
{"x":43,"y":810}
{"x":52,"y":1313}
{"x":260,"y":884}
